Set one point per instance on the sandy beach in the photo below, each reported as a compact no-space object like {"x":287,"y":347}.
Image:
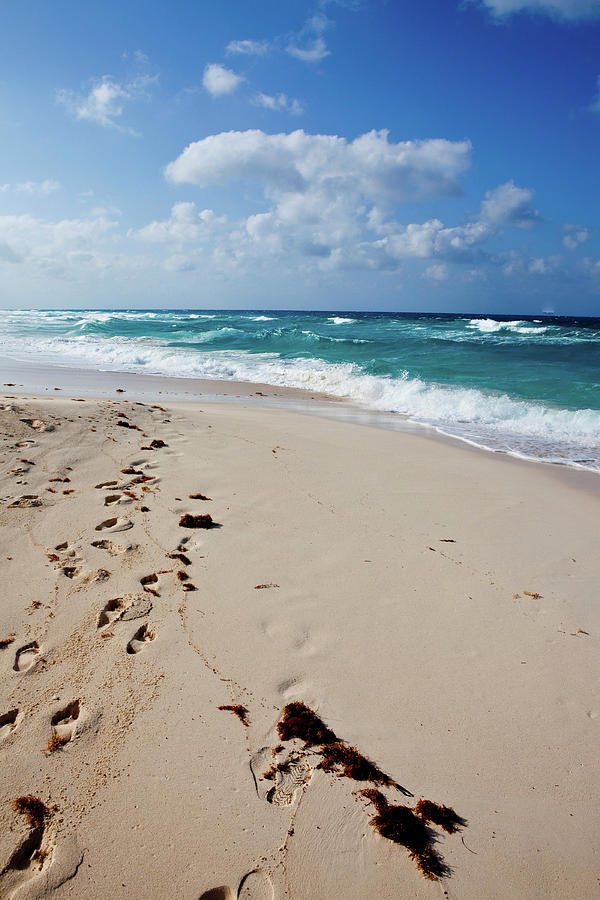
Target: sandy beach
{"x":236,"y":640}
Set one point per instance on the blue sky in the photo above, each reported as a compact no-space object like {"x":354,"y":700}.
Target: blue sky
{"x":423,"y":155}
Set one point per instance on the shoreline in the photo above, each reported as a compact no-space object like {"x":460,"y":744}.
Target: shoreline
{"x":434,"y":607}
{"x":38,"y":380}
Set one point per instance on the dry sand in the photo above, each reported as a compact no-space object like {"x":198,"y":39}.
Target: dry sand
{"x":435,"y":605}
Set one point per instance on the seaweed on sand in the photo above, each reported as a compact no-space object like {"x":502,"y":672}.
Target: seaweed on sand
{"x":240,"y":711}
{"x":400,"y":825}
{"x":444,"y":816}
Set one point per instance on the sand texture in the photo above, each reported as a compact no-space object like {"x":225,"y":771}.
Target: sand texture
{"x":239,"y":645}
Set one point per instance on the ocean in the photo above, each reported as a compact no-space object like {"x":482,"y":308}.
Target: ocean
{"x":529,"y":386}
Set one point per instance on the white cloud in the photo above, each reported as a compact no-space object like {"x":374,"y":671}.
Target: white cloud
{"x":248,"y":47}
{"x":509,"y":205}
{"x":575,"y":236}
{"x":369,"y":166}
{"x":538,"y":266}
{"x":595,"y":104}
{"x":185,"y":225}
{"x":279,"y":103}
{"x":437,"y":272}
{"x":106,"y":100}
{"x":336,"y":201}
{"x":33,"y":188}
{"x":56,"y":247}
{"x":179,"y":263}
{"x":328,"y":194}
{"x":219,"y":81}
{"x":591,"y":267}
{"x":313,"y":48}
{"x":571,"y":10}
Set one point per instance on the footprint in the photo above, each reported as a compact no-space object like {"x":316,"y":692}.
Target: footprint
{"x":8,"y":722}
{"x":27,"y":657}
{"x":279,"y":782}
{"x":139,"y":606}
{"x":223,"y":892}
{"x":38,"y":424}
{"x":113,"y":499}
{"x":114,"y":549}
{"x":141,"y":637}
{"x":67,"y":550}
{"x":111,"y":612}
{"x":34,"y":854}
{"x":25,"y":502}
{"x":148,"y":580}
{"x":71,"y":571}
{"x":64,"y":722}
{"x":256,"y":885}
{"x":116,"y":524}
{"x":124,"y":609}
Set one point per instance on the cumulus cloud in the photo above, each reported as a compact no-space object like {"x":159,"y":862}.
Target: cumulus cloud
{"x":248,"y":47}
{"x":575,"y":236}
{"x":337,"y":201}
{"x":32,"y":188}
{"x":279,"y":103}
{"x":219,"y":80}
{"x":106,"y":100}
{"x":185,"y":225}
{"x":569,"y":10}
{"x":509,"y":205}
{"x":309,"y":45}
{"x":55,"y":247}
{"x":370,"y":165}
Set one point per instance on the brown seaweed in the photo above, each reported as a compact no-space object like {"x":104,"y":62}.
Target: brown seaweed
{"x":400,"y":825}
{"x":444,"y":816}
{"x":32,"y":807}
{"x":299,"y":721}
{"x":240,"y":711}
{"x":181,"y":557}
{"x":191,"y":521}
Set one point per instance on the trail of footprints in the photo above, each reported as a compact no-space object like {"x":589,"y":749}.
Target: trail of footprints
{"x":281,"y":773}
{"x":35,"y":852}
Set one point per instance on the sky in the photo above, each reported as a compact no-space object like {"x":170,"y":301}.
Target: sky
{"x":423,"y":155}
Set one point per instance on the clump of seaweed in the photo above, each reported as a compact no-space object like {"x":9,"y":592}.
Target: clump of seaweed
{"x":55,"y":743}
{"x":182,"y":575}
{"x":7,"y":641}
{"x":32,"y":807}
{"x":444,"y":816}
{"x":188,"y":586}
{"x":400,"y":825}
{"x":299,"y":721}
{"x":263,"y":587}
{"x":190,"y":521}
{"x":349,"y":763}
{"x":181,"y":557}
{"x":533,"y":594}
{"x":240,"y":711}
{"x":155,"y":444}
{"x":198,"y":497}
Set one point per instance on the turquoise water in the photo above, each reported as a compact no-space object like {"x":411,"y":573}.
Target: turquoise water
{"x":529,"y":386}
